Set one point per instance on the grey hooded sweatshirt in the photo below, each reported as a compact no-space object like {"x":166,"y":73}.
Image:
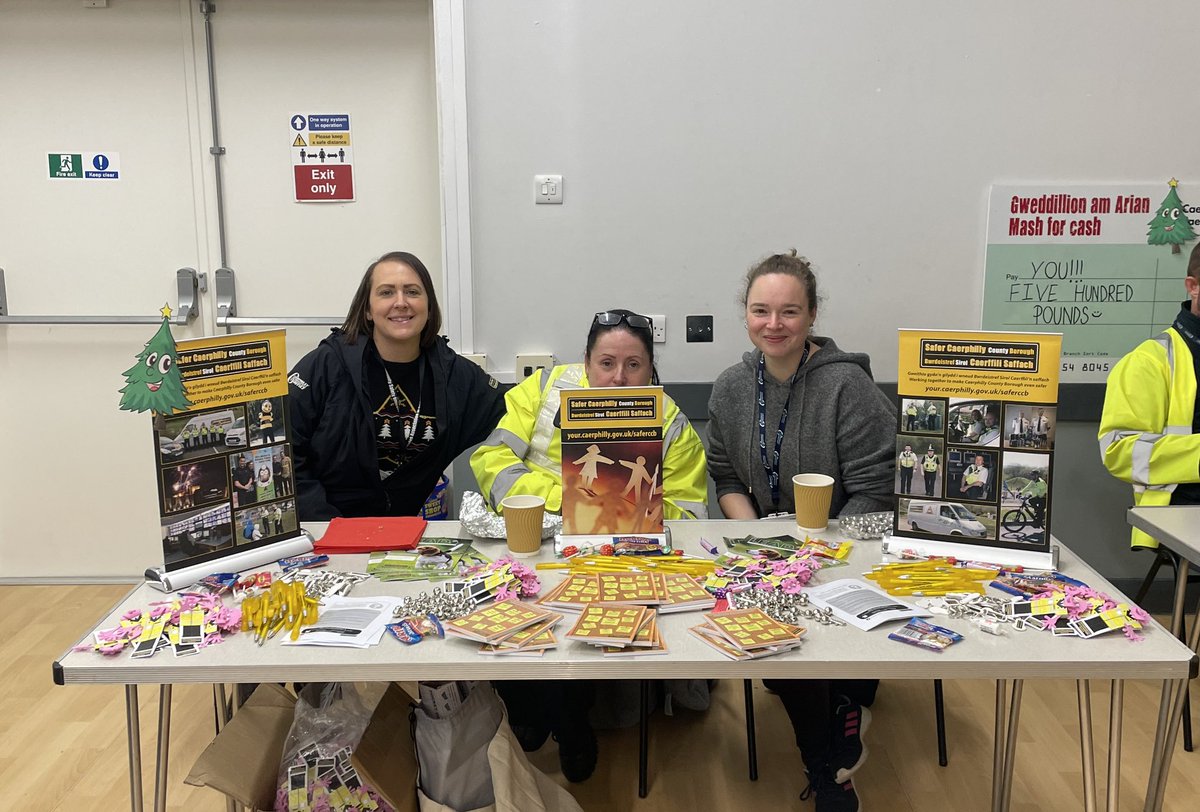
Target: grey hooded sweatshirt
{"x":839,"y":424}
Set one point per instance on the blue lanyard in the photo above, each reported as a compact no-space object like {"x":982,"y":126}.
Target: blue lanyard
{"x":772,"y":468}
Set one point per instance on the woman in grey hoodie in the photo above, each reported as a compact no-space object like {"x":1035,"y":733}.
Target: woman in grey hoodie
{"x":798,"y":403}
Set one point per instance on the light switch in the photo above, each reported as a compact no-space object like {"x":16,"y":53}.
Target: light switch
{"x":547,"y":189}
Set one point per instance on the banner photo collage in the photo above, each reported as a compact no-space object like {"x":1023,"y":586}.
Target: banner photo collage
{"x":975,"y":437}
{"x":225,"y":466}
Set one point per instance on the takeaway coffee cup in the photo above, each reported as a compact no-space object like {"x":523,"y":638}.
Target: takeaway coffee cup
{"x":523,"y":523}
{"x":813,"y":493}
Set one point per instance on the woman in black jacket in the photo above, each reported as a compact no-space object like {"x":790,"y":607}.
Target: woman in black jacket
{"x":383,"y":405}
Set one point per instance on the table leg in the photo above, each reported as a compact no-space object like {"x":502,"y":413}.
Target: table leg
{"x":1085,"y":745}
{"x":1113,"y":785}
{"x":1000,"y":744}
{"x":939,"y":713}
{"x":221,"y":711}
{"x":1175,"y":715}
{"x":1160,"y":737}
{"x":1167,"y":702}
{"x":751,"y":741}
{"x":644,"y":742}
{"x":164,"y":745}
{"x":1010,"y":745}
{"x":220,"y":706}
{"x":134,"y":731}
{"x":1153,"y":802}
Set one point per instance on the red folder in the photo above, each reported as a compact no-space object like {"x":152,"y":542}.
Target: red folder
{"x":369,"y":534}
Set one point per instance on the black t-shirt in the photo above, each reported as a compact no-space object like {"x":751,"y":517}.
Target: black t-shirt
{"x":405,"y":415}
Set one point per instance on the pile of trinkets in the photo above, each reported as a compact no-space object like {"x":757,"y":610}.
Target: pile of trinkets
{"x":502,"y":579}
{"x":1067,"y":610}
{"x":187,"y":623}
{"x":737,"y":573}
{"x":786,"y":607}
{"x":322,"y":584}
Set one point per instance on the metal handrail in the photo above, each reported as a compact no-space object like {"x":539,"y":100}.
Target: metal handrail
{"x":224,"y":280}
{"x":187,"y":283}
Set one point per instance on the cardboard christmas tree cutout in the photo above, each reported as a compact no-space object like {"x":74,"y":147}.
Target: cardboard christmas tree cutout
{"x":1170,"y":224}
{"x":153,"y":383}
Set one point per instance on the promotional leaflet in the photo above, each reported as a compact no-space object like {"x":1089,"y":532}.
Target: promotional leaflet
{"x":974,"y":444}
{"x":612,"y":450}
{"x":224,"y":463}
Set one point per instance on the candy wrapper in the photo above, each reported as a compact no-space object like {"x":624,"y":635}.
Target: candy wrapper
{"x":476,"y":518}
{"x":412,"y":630}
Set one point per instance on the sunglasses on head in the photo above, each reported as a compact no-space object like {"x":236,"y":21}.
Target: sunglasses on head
{"x":608,"y":318}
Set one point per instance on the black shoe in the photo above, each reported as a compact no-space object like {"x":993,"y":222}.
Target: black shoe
{"x":531,"y":737}
{"x":850,"y":723}
{"x":577,"y":754}
{"x":828,"y":794}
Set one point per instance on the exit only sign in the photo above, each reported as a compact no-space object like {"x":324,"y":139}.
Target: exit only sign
{"x":322,"y":157}
{"x":324,"y":182}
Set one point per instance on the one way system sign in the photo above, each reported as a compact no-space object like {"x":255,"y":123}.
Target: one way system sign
{"x":322,"y":161}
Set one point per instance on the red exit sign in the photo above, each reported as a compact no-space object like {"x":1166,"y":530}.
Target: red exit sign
{"x":324,"y":182}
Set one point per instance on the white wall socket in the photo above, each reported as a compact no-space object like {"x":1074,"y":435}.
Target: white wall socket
{"x":660,"y":328}
{"x":529,"y":364}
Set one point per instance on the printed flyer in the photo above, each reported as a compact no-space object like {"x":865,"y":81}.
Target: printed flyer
{"x":612,"y":443}
{"x":975,"y":438}
{"x":224,"y":463}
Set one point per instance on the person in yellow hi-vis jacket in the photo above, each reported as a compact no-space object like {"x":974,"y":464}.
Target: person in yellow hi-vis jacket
{"x":1036,"y":490}
{"x":524,"y":453}
{"x":929,"y":466}
{"x":524,"y":456}
{"x":906,"y":463}
{"x":1150,"y":427}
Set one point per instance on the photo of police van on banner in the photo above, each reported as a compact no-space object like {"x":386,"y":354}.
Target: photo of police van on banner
{"x":223,"y":459}
{"x":975,"y":445}
{"x":612,"y":450}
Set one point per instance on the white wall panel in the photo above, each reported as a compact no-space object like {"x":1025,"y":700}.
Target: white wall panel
{"x":77,"y":489}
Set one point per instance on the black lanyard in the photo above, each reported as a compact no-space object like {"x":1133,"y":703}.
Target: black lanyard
{"x":772,"y":468}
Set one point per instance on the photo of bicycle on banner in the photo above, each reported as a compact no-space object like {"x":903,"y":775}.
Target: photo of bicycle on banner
{"x":1026,"y":480}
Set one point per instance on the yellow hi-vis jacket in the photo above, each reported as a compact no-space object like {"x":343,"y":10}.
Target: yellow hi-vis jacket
{"x":524,"y":453}
{"x":1146,"y":426}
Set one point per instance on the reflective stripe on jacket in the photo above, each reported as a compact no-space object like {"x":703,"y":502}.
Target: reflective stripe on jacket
{"x":524,"y":453}
{"x":1146,"y":427}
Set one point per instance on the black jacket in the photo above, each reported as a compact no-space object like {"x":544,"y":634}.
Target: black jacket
{"x":333,"y":430}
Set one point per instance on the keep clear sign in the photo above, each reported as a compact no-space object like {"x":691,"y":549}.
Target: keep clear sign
{"x":322,"y":157}
{"x":1096,"y":263}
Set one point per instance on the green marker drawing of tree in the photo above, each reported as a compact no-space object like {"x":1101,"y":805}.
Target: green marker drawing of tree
{"x":1170,"y":224}
{"x":154,"y":383}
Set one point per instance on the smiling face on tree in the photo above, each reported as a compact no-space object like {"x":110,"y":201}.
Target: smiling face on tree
{"x":154,"y":383}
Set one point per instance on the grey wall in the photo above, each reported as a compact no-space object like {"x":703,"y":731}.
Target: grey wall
{"x":695,"y":137}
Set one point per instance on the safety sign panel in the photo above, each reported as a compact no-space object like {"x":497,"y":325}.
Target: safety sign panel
{"x":84,"y":165}
{"x":322,"y":157}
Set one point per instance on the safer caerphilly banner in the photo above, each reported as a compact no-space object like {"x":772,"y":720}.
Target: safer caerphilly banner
{"x":224,"y":466}
{"x":975,"y":440}
{"x":612,"y":442}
